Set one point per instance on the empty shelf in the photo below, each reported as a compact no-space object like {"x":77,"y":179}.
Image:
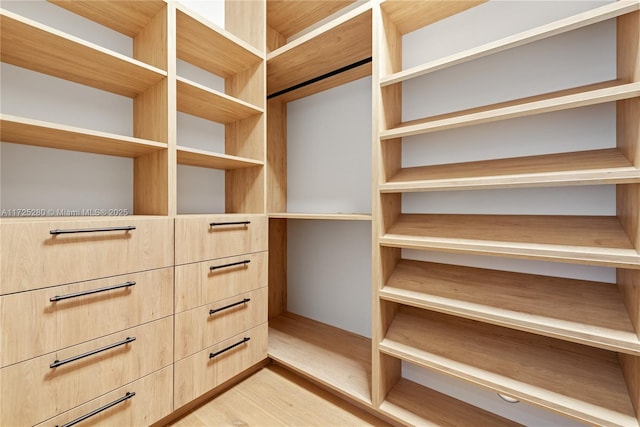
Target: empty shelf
{"x":51,"y":135}
{"x":607,"y":166}
{"x":556,"y":101}
{"x":28,"y":44}
{"x":331,"y":356}
{"x":205,"y":159}
{"x":342,"y":42}
{"x":586,"y":312}
{"x":321,"y":216}
{"x":207,"y":46}
{"x":596,"y":240}
{"x":578,"y":381}
{"x":126,"y":17}
{"x":561,"y":26}
{"x":209,"y":104}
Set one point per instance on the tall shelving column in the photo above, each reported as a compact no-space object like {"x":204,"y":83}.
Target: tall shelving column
{"x":480,"y":325}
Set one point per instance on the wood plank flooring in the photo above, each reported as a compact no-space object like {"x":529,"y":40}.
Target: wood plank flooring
{"x":275,"y":396}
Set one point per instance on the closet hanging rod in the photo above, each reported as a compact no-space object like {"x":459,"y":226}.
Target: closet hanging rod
{"x":319,"y":78}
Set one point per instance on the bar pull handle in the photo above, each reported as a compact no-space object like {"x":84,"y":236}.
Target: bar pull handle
{"x":218,"y":224}
{"x":216,"y":310}
{"x":215,"y":267}
{"x":92,"y":230}
{"x":127,"y":396}
{"x":92,"y":291}
{"x":217,"y":353}
{"x":57,"y":363}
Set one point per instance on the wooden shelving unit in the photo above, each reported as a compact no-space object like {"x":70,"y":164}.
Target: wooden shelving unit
{"x":321,"y":216}
{"x":580,"y":381}
{"x":567,"y":345}
{"x":194,"y":157}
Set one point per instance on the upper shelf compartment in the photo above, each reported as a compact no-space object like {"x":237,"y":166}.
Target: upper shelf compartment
{"x":209,"y":47}
{"x":558,"y":27}
{"x":344,"y":42}
{"x":126,"y":17}
{"x":28,"y":44}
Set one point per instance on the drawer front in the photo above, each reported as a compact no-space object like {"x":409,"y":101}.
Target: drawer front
{"x":33,"y":258}
{"x":32,"y":391}
{"x":199,"y":373}
{"x":200,"y":327}
{"x":198,"y":284}
{"x":140,"y":403}
{"x":198,"y":240}
{"x":101,"y":307}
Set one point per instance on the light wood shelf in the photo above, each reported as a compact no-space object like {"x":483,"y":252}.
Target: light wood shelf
{"x":206,"y":159}
{"x":342,"y":42}
{"x":589,"y":313}
{"x":406,"y":404}
{"x":594,"y":167}
{"x":595,"y":240}
{"x":321,"y":216}
{"x":561,"y":26}
{"x":26,"y":131}
{"x":200,"y":101}
{"x":289,"y":18}
{"x":128,"y":18}
{"x":557,"y":101}
{"x":410,"y":16}
{"x":338,"y":359}
{"x":578,"y":381}
{"x":205,"y":45}
{"x":28,"y":44}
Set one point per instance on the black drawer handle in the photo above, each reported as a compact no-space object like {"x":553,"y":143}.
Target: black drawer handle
{"x":93,"y":291}
{"x":92,"y":230}
{"x":129,"y":395}
{"x":215,"y":310}
{"x":215,"y":267}
{"x":217,"y":353}
{"x":57,"y":363}
{"x":218,"y":224}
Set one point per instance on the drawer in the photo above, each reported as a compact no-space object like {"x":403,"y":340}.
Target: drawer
{"x":199,"y":373}
{"x":140,"y":403}
{"x":33,"y":258}
{"x":33,"y":391}
{"x":88,"y":310}
{"x":201,"y":238}
{"x":198,"y":284}
{"x":199,"y":328}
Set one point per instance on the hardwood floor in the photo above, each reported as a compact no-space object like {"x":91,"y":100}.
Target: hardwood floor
{"x":274,"y":396}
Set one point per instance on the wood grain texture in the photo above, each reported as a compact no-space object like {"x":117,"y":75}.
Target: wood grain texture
{"x":126,"y":17}
{"x":322,"y":216}
{"x":247,"y":20}
{"x":207,"y":46}
{"x":631,"y":371}
{"x":539,"y":104}
{"x":28,"y":44}
{"x":277,"y":267}
{"x":409,"y":15}
{"x":205,"y":159}
{"x":276,"y":156}
{"x":151,"y":184}
{"x":152,"y":401}
{"x":596,"y":240}
{"x":574,"y":380}
{"x":57,"y":324}
{"x":628,"y":47}
{"x":21,"y":130}
{"x":196,"y":284}
{"x":200,"y":101}
{"x":151,"y":43}
{"x":275,"y":40}
{"x":595,"y":167}
{"x":561,"y":26}
{"x":333,"y":357}
{"x":197,"y":374}
{"x":585,"y":312}
{"x":249,"y":85}
{"x":196,"y":240}
{"x":406,"y":404}
{"x":275,"y":396}
{"x":291,"y":17}
{"x":55,"y":390}
{"x":32,"y":258}
{"x":341,"y":42}
{"x":245,"y":191}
